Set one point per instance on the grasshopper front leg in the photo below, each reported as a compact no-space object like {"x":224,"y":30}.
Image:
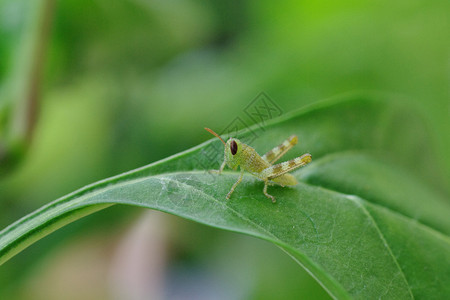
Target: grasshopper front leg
{"x":235,"y":184}
{"x":220,"y":169}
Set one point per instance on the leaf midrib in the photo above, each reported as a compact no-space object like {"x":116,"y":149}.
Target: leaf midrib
{"x":429,"y":229}
{"x":361,"y":202}
{"x":77,"y":196}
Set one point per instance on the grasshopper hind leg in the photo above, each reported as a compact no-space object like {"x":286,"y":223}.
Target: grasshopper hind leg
{"x":266,"y":183}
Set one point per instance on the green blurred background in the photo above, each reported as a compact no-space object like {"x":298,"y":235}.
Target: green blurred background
{"x":121,"y":84}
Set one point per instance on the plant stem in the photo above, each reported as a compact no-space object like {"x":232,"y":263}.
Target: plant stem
{"x":26,"y":84}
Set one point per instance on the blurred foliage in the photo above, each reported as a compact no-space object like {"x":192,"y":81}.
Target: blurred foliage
{"x":130,"y":82}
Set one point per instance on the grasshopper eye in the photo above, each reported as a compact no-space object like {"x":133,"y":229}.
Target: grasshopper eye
{"x":233,"y":147}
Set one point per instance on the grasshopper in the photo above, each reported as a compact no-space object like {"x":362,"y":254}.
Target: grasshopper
{"x":239,"y":154}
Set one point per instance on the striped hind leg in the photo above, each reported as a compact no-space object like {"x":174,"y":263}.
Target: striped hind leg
{"x":285,"y":167}
{"x":277,"y":152}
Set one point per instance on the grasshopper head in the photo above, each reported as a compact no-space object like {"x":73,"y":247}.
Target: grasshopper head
{"x":233,"y":149}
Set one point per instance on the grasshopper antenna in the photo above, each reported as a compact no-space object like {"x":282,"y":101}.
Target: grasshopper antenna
{"x":215,"y":134}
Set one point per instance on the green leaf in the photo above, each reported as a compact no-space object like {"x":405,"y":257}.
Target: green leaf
{"x":367,"y":220}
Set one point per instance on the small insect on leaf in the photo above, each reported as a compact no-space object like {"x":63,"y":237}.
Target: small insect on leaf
{"x":238,"y":154}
